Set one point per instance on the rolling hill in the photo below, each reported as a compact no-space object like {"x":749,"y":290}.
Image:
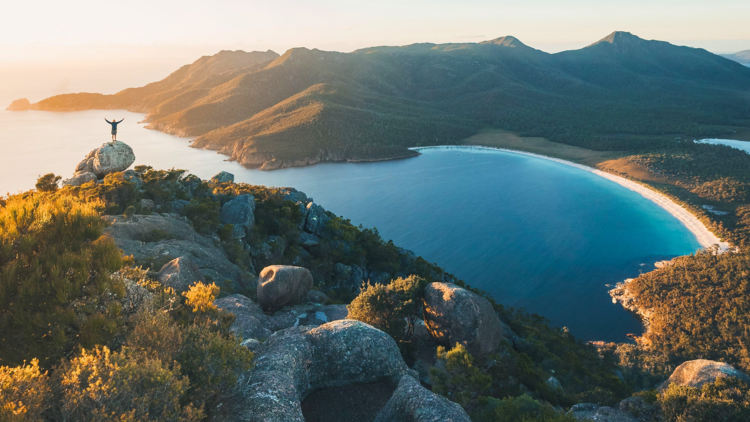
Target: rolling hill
{"x":306,"y":106}
{"x":740,"y":57}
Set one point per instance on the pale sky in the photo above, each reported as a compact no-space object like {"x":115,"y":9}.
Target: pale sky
{"x":67,"y":46}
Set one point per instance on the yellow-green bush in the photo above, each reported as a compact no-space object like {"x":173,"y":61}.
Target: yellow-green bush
{"x":102,"y":386}
{"x":385,"y":306}
{"x":56,"y":286}
{"x":456,"y":377}
{"x":25,"y":394}
{"x":726,"y":400}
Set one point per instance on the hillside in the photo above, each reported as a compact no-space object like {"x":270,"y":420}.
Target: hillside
{"x":306,"y":106}
{"x":740,"y":57}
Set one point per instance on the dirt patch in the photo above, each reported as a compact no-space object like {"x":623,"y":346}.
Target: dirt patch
{"x":623,"y":166}
{"x":497,"y":138}
{"x":350,"y":403}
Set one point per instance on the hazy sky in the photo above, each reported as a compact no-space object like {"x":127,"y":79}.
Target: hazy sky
{"x":58,"y":46}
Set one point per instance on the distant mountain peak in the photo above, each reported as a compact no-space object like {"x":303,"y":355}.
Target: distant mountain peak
{"x":507,"y":41}
{"x":620,"y":38}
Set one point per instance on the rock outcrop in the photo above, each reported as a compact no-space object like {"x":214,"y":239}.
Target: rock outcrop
{"x":158,"y":239}
{"x":281,"y":285}
{"x":109,"y":158}
{"x":696,"y":373}
{"x":240,"y":212}
{"x":180,"y":273}
{"x":223,"y":177}
{"x":297,"y":361}
{"x":593,"y":412}
{"x":316,"y":220}
{"x":455,"y":315}
{"x":413,"y":403}
{"x":80,"y":178}
{"x":21,"y":104}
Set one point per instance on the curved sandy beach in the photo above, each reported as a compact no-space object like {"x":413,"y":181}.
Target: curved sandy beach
{"x":699,"y":230}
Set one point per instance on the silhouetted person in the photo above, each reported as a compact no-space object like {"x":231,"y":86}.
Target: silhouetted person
{"x":114,"y":127}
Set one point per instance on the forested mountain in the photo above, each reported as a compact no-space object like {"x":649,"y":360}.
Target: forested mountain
{"x":308,"y":106}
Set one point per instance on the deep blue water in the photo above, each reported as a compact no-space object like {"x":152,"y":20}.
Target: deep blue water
{"x":534,"y":233}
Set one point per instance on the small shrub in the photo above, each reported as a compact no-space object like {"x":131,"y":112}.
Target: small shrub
{"x":25,"y":393}
{"x":48,"y":182}
{"x":726,"y":400}
{"x":104,"y":386}
{"x":456,"y":377}
{"x":386,"y":306}
{"x":204,"y":213}
{"x":519,"y":409}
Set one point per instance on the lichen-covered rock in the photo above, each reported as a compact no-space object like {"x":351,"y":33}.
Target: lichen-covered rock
{"x":158,"y":239}
{"x":111,"y":157}
{"x":696,"y":373}
{"x":297,"y":361}
{"x":223,"y":177}
{"x":281,"y":285}
{"x":413,"y":403}
{"x":240,"y":211}
{"x":455,"y":315}
{"x":147,"y":204}
{"x":180,"y":273}
{"x":317,"y":220}
{"x":593,"y":412}
{"x":79,"y":178}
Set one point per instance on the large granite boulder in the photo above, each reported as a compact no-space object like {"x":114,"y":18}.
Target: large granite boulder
{"x":593,"y":412}
{"x":294,"y":362}
{"x":281,"y":285}
{"x":413,"y":403}
{"x":240,"y":211}
{"x":316,"y":220}
{"x":180,"y":273}
{"x":154,"y":240}
{"x":455,"y":315}
{"x":111,"y":157}
{"x":80,"y":178}
{"x":696,"y":373}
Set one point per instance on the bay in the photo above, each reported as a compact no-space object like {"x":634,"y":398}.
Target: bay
{"x":533,"y":233}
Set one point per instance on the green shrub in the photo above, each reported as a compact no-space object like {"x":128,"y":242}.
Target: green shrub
{"x":385,"y":306}
{"x":726,"y":400}
{"x":48,"y":182}
{"x":102,"y":386}
{"x":204,"y":213}
{"x":55,"y":276}
{"x":518,"y":409}
{"x":456,"y":377}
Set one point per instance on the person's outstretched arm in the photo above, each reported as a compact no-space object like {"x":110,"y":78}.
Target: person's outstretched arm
{"x":121,"y":120}
{"x":105,"y":119}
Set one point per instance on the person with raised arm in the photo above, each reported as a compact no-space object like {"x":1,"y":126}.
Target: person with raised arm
{"x":114,"y":127}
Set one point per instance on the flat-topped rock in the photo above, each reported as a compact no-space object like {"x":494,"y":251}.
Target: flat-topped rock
{"x":21,"y":104}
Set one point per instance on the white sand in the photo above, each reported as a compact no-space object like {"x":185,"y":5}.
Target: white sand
{"x":699,"y":230}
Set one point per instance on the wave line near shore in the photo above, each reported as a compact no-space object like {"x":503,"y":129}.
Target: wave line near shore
{"x":704,"y":236}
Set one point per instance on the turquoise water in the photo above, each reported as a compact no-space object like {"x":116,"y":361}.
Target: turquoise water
{"x":534,"y":233}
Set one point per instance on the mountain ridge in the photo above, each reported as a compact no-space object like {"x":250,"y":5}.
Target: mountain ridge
{"x":307,"y":105}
